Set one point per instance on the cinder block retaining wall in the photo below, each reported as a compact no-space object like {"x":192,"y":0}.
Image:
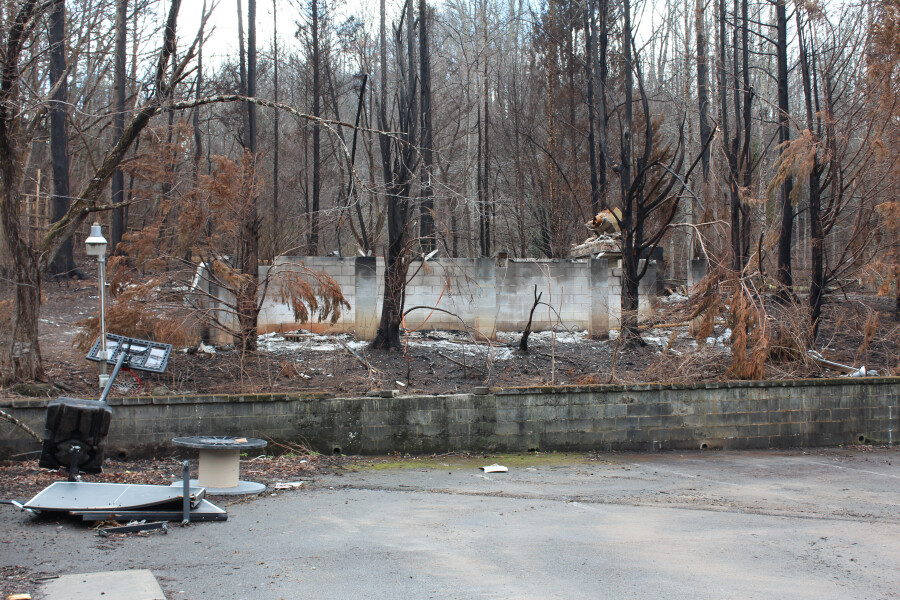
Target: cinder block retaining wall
{"x":638,"y":417}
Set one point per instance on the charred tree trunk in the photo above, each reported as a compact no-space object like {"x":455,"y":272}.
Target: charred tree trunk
{"x":733,"y":144}
{"x":702,"y":85}
{"x":652,"y":182}
{"x":247,"y":292}
{"x":746,"y":165}
{"x":484,"y":187}
{"x":426,"y":216}
{"x":242,"y":71}
{"x":276,"y":133}
{"x":195,"y":116}
{"x":553,"y":216}
{"x":118,"y":180}
{"x":630,"y":259}
{"x":317,"y":143}
{"x":784,"y":274}
{"x":251,"y":77}
{"x":63,"y":263}
{"x":590,"y":67}
{"x":601,"y":49}
{"x":398,"y":177}
{"x":816,"y":226}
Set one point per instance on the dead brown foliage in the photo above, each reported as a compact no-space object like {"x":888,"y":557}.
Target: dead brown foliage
{"x":139,"y":308}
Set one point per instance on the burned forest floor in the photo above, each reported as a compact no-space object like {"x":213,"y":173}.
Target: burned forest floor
{"x":858,"y":329}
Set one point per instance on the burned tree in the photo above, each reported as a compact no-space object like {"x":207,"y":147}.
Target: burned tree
{"x":20,"y":355}
{"x":651,"y":180}
{"x":63,"y":262}
{"x":399,"y":159}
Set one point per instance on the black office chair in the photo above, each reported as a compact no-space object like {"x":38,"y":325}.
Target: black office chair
{"x":75,"y":435}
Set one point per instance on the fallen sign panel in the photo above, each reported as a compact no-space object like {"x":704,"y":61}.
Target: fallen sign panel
{"x":142,"y":355}
{"x":69,"y":496}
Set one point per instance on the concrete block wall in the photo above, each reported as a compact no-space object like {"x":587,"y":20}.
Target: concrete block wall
{"x":276,"y":315}
{"x":487,"y":294}
{"x":564,"y":284}
{"x":721,"y":415}
{"x":452,"y":284}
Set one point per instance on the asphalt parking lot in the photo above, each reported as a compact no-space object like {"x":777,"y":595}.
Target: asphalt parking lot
{"x":816,"y":524}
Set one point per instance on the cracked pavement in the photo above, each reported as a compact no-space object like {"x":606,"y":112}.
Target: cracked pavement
{"x":817,"y":524}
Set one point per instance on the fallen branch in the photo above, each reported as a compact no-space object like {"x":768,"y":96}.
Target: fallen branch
{"x":463,"y":365}
{"x":362,"y":361}
{"x":664,"y":325}
{"x":11,"y":419}
{"x":565,"y":358}
{"x":467,"y":328}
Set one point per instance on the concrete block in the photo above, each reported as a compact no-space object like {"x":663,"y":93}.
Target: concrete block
{"x":366,"y":307}
{"x":486,"y":301}
{"x":111,"y":585}
{"x":697,"y":271}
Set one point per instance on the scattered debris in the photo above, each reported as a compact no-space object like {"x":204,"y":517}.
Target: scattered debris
{"x":846,"y":369}
{"x":495,"y":468}
{"x":603,"y":245}
{"x":288,"y":485}
{"x":135,"y":527}
{"x":606,"y":239}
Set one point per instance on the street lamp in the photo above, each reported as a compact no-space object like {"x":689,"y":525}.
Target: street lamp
{"x":96,"y":246}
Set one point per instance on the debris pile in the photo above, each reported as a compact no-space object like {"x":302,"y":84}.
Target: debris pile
{"x":606,"y":239}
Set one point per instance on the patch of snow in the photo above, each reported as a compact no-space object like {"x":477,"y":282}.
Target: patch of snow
{"x":453,"y":343}
{"x":721,"y":339}
{"x":658,"y":340}
{"x":673,"y":298}
{"x":562,"y":337}
{"x":276,"y":344}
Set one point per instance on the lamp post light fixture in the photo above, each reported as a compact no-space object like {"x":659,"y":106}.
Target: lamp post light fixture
{"x":96,"y":246}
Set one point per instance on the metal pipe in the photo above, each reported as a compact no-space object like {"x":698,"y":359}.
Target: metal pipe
{"x":123,"y":352}
{"x":104,"y":356}
{"x":186,"y":491}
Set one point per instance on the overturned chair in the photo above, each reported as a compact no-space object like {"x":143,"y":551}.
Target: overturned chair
{"x":75,"y":435}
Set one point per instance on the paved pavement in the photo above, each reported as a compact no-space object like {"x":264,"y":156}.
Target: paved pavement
{"x":823,"y":524}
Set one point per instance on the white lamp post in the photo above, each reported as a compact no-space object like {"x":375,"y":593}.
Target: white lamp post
{"x":96,"y":246}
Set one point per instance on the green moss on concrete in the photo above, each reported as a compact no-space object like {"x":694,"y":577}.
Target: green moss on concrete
{"x":511,"y":460}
